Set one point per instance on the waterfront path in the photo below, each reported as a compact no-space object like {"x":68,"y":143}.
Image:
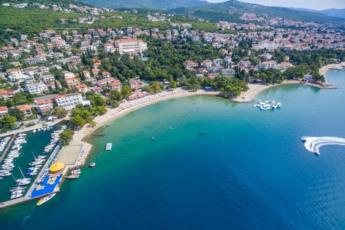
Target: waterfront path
{"x":27,"y":129}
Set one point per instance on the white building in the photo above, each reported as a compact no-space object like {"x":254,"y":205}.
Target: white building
{"x":130,"y":46}
{"x":267,"y":65}
{"x":16,"y":75}
{"x":69,"y":101}
{"x":35,"y":88}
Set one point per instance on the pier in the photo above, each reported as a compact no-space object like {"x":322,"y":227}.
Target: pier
{"x":27,"y":197}
{"x":313,"y":144}
{"x":9,"y":144}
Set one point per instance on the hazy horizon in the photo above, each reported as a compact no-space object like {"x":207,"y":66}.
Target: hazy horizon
{"x":316,"y":4}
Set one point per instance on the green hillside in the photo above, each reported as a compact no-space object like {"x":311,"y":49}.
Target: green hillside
{"x":149,"y":4}
{"x":231,"y":11}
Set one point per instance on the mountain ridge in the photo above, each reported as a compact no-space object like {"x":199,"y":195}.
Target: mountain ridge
{"x":229,"y":10}
{"x":146,"y":4}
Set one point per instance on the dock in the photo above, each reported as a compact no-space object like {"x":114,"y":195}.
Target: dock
{"x":6,"y":150}
{"x":28,"y":196}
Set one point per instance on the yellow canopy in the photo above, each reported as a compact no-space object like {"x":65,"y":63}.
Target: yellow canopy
{"x":56,"y":167}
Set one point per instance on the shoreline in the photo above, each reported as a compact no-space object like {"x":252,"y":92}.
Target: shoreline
{"x":76,"y":153}
{"x":81,"y":136}
{"x":255,"y":89}
{"x":339,"y":66}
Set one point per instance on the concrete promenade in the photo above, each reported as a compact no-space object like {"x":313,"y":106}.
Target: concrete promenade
{"x":30,"y":128}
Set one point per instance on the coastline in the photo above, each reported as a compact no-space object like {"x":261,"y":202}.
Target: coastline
{"x":339,"y":66}
{"x":126,"y":107}
{"x":255,"y":89}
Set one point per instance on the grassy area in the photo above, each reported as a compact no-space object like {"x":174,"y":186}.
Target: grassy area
{"x":129,"y":20}
{"x":32,"y":20}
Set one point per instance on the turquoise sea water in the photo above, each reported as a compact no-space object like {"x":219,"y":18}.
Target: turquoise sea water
{"x":214,"y":164}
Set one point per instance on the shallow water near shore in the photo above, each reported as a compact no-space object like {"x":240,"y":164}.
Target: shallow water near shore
{"x":214,"y":164}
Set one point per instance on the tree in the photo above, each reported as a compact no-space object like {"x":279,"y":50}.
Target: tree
{"x":173,"y":84}
{"x":60,"y":112}
{"x":80,"y":116}
{"x":66,"y":136}
{"x":114,"y":98}
{"x":77,"y":121}
{"x":126,"y":91}
{"x":19,"y":115}
{"x":156,"y":87}
{"x":8,"y":122}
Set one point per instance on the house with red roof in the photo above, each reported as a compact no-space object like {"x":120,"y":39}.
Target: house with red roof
{"x":25,"y":109}
{"x":3,"y":111}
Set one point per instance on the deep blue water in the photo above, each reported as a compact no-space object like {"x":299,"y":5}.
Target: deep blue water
{"x":214,"y":165}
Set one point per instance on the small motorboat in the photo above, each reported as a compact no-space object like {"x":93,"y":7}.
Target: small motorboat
{"x":92,"y":165}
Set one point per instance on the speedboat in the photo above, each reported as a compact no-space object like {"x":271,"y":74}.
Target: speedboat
{"x":45,"y":199}
{"x":92,"y":165}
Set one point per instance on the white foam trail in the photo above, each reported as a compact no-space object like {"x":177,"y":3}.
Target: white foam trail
{"x":313,"y":144}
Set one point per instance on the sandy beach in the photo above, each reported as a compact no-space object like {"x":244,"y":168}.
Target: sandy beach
{"x":113,"y":114}
{"x":129,"y":106}
{"x":326,"y":68}
{"x":256,"y":89}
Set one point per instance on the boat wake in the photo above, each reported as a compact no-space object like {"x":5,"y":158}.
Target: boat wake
{"x":313,"y":144}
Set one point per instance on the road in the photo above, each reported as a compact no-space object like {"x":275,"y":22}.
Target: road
{"x":26,"y":129}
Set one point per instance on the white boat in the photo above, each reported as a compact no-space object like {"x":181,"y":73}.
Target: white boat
{"x":268,"y":105}
{"x":45,"y":199}
{"x":17,"y":194}
{"x":23,"y":181}
{"x":108,"y":146}
{"x":18,"y":188}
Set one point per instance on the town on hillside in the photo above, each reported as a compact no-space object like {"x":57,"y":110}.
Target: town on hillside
{"x":45,"y":75}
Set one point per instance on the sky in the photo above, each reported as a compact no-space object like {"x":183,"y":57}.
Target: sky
{"x":311,"y":4}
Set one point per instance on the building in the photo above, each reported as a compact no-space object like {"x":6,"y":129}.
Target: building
{"x":69,"y":101}
{"x":267,"y":65}
{"x":136,"y":83}
{"x":130,"y":46}
{"x":110,"y":83}
{"x":25,"y":109}
{"x":16,"y":75}
{"x":3,"y":111}
{"x":71,"y":80}
{"x":7,"y":93}
{"x":35,"y":88}
{"x":44,"y":105}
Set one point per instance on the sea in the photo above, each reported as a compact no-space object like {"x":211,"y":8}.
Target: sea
{"x":205,"y":162}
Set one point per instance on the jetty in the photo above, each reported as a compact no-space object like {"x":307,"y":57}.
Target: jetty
{"x":313,"y":144}
{"x":7,"y":148}
{"x":28,"y":196}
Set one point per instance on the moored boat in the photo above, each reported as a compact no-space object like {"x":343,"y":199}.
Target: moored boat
{"x":45,"y":199}
{"x":92,"y":165}
{"x":108,"y":146}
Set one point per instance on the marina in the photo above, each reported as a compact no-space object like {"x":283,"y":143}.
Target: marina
{"x":37,"y":180}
